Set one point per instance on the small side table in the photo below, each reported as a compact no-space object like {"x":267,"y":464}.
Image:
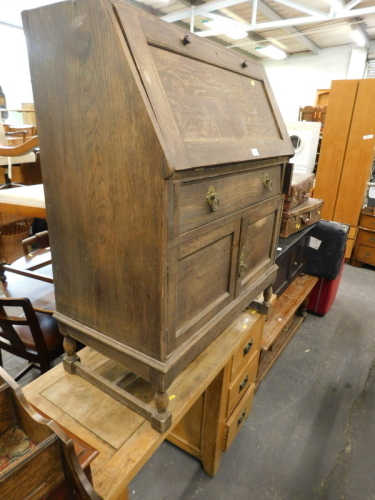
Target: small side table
{"x":364,"y":248}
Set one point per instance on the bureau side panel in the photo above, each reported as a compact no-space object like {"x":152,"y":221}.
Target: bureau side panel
{"x":102,"y":170}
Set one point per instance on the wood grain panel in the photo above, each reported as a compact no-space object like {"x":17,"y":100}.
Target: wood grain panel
{"x":334,"y":143}
{"x":96,"y":212}
{"x":205,"y":277}
{"x":7,"y":416}
{"x":359,"y":156}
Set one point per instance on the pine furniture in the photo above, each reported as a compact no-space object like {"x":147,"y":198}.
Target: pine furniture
{"x":346,"y":153}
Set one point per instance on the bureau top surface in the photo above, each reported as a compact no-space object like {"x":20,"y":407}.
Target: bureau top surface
{"x":208,"y":104}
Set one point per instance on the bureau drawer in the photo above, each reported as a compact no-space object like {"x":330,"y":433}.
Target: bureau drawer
{"x":366,"y":255}
{"x":367,"y":221}
{"x":234,"y":423}
{"x":244,"y":379}
{"x":206,"y":200}
{"x":250,"y":344}
{"x":366,"y":238}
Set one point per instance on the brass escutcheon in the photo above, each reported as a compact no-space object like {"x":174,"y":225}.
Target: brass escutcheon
{"x":212,"y":199}
{"x":267,"y":183}
{"x":241,"y":265}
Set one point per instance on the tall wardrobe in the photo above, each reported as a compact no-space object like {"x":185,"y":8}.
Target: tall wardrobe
{"x":347,"y":152}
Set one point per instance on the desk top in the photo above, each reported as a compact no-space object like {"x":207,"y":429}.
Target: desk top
{"x":40,"y":293}
{"x":27,"y":201}
{"x":124,"y":439}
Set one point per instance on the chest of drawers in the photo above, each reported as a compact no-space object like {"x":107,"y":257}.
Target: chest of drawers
{"x":163,"y":158}
{"x":364,"y":249}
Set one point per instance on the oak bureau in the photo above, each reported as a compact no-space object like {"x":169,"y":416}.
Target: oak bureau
{"x":163,"y":157}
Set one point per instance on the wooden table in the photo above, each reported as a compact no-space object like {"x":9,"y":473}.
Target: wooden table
{"x":31,"y":277}
{"x":124,"y":439}
{"x":27,"y":201}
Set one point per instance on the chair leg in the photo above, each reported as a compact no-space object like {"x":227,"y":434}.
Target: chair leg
{"x":24,"y":371}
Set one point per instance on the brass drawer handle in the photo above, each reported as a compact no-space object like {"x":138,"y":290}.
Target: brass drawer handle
{"x":243,"y":383}
{"x":241,"y":265}
{"x":372,"y":240}
{"x":248,"y":347}
{"x":267,"y":183}
{"x":242,"y":418}
{"x":212,"y":199}
{"x":367,"y":254}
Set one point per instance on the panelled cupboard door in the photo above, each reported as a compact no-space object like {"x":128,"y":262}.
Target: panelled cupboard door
{"x":259,"y":230}
{"x":201,"y":280}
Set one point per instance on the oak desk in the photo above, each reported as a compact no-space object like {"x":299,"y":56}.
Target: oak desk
{"x":124,"y":439}
{"x":26,"y":200}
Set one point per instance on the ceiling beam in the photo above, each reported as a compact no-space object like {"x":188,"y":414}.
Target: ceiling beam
{"x":295,"y":21}
{"x":300,"y":7}
{"x":274,"y":16}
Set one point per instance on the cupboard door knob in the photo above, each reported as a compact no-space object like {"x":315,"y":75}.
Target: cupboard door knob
{"x":267,"y":183}
{"x":248,"y":347}
{"x":242,"y":418}
{"x":187,"y":39}
{"x":241,"y":266}
{"x":212,"y":199}
{"x":243,"y":383}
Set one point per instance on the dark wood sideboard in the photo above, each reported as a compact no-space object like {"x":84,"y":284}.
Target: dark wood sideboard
{"x":163,"y":158}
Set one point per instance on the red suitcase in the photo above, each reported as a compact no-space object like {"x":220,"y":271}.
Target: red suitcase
{"x":323,"y":294}
{"x":300,"y":189}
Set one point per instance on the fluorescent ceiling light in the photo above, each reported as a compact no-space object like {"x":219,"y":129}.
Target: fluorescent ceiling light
{"x":272,"y":51}
{"x":359,"y":37}
{"x":229,"y":28}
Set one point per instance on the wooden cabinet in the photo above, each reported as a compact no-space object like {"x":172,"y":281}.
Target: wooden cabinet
{"x":347,"y":152}
{"x":364,"y":249}
{"x":235,"y":388}
{"x":291,"y":259}
{"x":162,"y":172}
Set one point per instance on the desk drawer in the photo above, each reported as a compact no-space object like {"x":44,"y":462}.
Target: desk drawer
{"x":366,"y":238}
{"x":234,"y":423}
{"x":367,"y":221}
{"x":250,"y":344}
{"x":366,"y":255}
{"x":244,"y":379}
{"x":206,"y":200}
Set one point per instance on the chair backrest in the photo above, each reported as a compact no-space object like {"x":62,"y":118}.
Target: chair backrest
{"x":28,"y":319}
{"x":40,"y":239}
{"x":3,"y":139}
{"x":45,"y":461}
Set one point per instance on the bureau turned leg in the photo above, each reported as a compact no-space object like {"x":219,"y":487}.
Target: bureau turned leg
{"x":161,"y":418}
{"x":267,"y":294}
{"x":71,"y":356}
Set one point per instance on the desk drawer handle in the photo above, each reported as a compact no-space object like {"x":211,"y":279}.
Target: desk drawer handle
{"x":372,"y":239}
{"x":248,"y":347}
{"x":267,"y":183}
{"x":212,"y":199}
{"x":242,"y":418}
{"x":243,"y":383}
{"x":367,"y":254}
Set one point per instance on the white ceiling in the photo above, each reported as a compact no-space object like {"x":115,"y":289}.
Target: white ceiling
{"x":294,"y":25}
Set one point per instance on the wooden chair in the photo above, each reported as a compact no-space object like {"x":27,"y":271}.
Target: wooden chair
{"x":37,"y":458}
{"x":33,"y":336}
{"x":40,"y":240}
{"x":15,"y":155}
